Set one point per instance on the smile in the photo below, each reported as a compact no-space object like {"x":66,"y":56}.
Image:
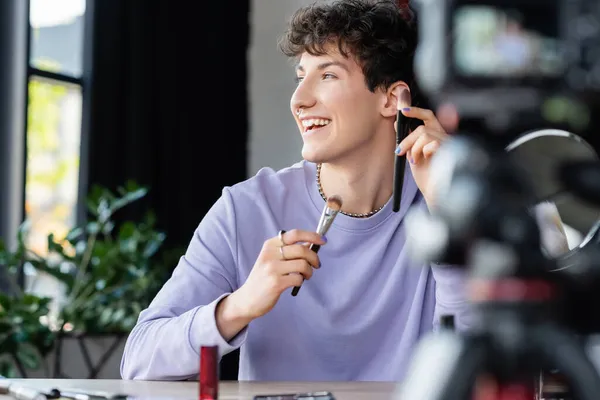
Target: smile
{"x":313,"y":125}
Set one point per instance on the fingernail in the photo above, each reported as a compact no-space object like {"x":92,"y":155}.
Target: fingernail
{"x":398,"y":150}
{"x":406,"y":109}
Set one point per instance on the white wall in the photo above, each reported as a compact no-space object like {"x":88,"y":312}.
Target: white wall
{"x":274,"y":140}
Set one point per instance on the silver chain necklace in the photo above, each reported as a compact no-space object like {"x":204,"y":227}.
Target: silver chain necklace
{"x":366,"y":215}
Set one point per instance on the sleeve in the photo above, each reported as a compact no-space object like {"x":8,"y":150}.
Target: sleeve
{"x":451,"y":296}
{"x":165,"y":343}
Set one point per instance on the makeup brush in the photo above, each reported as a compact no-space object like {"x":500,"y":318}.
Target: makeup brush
{"x":331,"y":210}
{"x":400,"y":161}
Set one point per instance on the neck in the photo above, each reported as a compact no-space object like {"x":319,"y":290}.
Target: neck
{"x":364,"y":180}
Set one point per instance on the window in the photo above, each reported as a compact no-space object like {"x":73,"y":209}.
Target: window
{"x":57,"y":36}
{"x":53,"y":126}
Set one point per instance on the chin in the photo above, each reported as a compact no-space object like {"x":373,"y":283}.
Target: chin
{"x":314,"y":155}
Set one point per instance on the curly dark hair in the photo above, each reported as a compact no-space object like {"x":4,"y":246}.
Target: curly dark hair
{"x":379,"y":34}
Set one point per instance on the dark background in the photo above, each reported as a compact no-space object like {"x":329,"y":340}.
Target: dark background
{"x":168,"y":103}
{"x":169,"y":107}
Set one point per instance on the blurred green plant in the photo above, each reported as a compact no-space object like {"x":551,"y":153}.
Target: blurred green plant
{"x":25,"y":337}
{"x":110,"y":275}
{"x":24,"y":340}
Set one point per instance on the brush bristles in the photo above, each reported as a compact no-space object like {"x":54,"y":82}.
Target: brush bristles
{"x":334,"y":202}
{"x":405,"y":99}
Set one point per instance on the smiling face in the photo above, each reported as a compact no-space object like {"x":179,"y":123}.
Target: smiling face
{"x":339,"y":115}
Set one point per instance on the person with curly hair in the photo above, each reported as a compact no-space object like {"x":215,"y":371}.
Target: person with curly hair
{"x":365,"y":303}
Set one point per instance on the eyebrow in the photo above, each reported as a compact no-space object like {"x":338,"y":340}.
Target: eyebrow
{"x":325,"y":65}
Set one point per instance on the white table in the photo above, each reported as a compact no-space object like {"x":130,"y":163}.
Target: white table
{"x":227,"y":390}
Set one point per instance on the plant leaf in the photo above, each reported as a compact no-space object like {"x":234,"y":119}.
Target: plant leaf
{"x":28,"y":355}
{"x":74,"y":234}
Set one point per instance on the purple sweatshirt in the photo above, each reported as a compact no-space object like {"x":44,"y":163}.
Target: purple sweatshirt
{"x":358,"y":318}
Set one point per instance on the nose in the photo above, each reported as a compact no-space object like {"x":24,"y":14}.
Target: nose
{"x":303,"y":97}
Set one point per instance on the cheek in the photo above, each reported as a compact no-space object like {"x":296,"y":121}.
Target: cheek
{"x":358,"y":112}
{"x":353,"y":110}
{"x":346,"y":104}
{"x":335,"y":101}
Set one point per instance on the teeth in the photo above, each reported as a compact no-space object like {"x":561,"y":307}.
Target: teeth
{"x":308,"y":123}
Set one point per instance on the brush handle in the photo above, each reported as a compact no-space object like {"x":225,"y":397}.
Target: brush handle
{"x":315,"y":248}
{"x":399,"y":162}
{"x":399,"y":168}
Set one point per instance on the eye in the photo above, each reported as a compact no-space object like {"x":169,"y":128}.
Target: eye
{"x":298,"y":79}
{"x":329,"y":76}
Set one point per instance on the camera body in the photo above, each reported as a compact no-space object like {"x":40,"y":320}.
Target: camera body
{"x":484,"y":221}
{"x":502,"y":60}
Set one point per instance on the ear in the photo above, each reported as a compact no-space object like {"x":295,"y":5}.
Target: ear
{"x":397,"y":96}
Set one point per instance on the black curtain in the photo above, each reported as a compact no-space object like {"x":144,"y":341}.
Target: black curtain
{"x":168,"y":107}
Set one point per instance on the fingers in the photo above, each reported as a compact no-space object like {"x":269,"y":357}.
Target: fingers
{"x":296,"y":267}
{"x":287,"y":258}
{"x":431,"y":127}
{"x":302,"y":252}
{"x":296,"y":236}
{"x":291,"y":280}
{"x":430,"y":148}
{"x":416,"y":151}
{"x":425,"y":115}
{"x":423,"y":148}
{"x":408,"y":142}
{"x":421,"y":144}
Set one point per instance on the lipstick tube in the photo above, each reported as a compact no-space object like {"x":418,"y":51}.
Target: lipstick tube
{"x":209,"y":373}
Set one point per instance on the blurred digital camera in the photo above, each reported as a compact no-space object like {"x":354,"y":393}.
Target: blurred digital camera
{"x":505,"y":59}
